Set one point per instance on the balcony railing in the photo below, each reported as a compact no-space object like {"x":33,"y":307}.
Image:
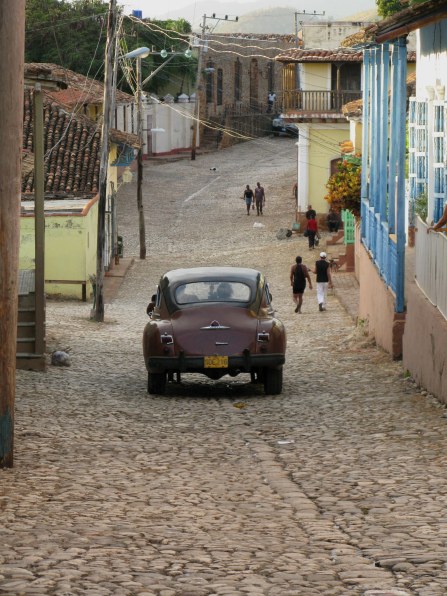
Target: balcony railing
{"x":431,"y":272}
{"x":316,"y":102}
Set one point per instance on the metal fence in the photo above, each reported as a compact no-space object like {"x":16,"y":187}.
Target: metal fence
{"x":431,"y":266}
{"x":349,"y":226}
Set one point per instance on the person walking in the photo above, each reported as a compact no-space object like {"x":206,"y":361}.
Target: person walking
{"x":333,"y":221}
{"x":324,"y":280}
{"x":299,"y":273}
{"x":248,"y":196}
{"x":312,"y":231}
{"x":310,"y":212}
{"x":259,"y":197}
{"x":271,"y":98}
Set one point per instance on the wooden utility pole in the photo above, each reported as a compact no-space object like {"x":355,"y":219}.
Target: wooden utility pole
{"x":141,"y":223}
{"x":12,"y":43}
{"x":39,"y":220}
{"x":103,"y":167}
{"x":195,"y":124}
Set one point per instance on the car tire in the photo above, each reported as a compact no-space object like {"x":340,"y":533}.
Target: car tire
{"x":156,"y":383}
{"x":272,"y":381}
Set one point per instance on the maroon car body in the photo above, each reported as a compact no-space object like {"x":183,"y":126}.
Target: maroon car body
{"x":214,"y":321}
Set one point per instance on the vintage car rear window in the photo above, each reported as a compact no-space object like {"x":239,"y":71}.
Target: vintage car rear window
{"x":212,"y":291}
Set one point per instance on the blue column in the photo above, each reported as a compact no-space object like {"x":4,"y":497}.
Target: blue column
{"x":365,"y":136}
{"x":393,"y":143}
{"x":400,"y":142}
{"x":383,"y":132}
{"x":374,"y":124}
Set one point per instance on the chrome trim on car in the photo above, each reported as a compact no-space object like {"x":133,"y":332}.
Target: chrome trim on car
{"x":215,"y":325}
{"x":166,"y":339}
{"x":221,"y":343}
{"x":263,"y":336}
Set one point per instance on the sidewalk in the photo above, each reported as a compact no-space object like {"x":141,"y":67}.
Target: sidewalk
{"x":114,"y":278}
{"x":347,"y":290}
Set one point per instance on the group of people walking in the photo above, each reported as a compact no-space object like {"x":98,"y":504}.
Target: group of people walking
{"x":299,"y":276}
{"x":256,"y":197}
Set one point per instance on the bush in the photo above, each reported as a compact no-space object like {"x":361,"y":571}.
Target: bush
{"x":345,"y":185}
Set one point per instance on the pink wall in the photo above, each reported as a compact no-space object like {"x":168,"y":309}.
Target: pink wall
{"x":425,"y":343}
{"x":376,"y":306}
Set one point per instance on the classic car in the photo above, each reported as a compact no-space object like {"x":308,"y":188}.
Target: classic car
{"x":216,"y":321}
{"x":280,"y":127}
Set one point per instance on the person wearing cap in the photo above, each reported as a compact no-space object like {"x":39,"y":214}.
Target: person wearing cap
{"x":324,"y":280}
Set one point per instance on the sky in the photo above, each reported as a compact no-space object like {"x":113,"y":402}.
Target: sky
{"x":173,"y":8}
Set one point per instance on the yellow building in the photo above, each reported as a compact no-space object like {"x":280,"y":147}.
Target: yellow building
{"x":70,"y":244}
{"x":72,"y":162}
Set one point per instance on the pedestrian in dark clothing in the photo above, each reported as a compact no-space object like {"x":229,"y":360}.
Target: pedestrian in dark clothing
{"x":324,"y":280}
{"x":310,"y":212}
{"x":259,"y":197}
{"x":333,"y":221}
{"x":298,"y":276}
{"x":312,"y":230}
{"x":248,"y":196}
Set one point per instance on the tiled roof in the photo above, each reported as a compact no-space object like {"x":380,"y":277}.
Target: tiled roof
{"x":72,"y":145}
{"x":410,"y":19}
{"x":320,"y":55}
{"x":337,"y":55}
{"x":81,"y":89}
{"x":354,"y":109}
{"x":357,"y":38}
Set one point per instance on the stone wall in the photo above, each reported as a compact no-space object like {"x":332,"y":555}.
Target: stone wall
{"x":250,"y":55}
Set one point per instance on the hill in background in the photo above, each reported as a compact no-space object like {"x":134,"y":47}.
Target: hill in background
{"x":261,"y":16}
{"x":281,"y":20}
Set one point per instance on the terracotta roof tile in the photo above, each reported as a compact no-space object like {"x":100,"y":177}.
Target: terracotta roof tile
{"x":337,"y":55}
{"x":71,"y":146}
{"x":321,"y":55}
{"x":81,"y":89}
{"x":410,"y":19}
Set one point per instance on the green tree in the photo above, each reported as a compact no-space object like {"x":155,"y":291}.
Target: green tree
{"x":73,"y":34}
{"x":385,"y":8}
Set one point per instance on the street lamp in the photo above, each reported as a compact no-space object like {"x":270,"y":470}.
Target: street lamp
{"x":140,"y":53}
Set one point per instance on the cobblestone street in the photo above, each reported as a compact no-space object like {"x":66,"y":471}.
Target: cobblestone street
{"x":336,"y":487}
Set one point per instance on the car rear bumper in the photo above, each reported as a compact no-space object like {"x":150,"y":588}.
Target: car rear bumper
{"x":182,"y":363}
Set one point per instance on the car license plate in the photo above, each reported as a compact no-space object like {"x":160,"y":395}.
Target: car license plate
{"x":216,"y":362}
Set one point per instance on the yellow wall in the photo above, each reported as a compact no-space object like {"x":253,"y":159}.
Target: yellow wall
{"x":316,"y":76}
{"x":70,"y":249}
{"x":323,"y":148}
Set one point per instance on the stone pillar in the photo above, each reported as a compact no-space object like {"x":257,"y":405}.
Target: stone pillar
{"x":303,"y":167}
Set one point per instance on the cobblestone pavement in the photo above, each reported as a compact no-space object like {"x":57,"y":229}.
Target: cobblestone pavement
{"x":336,"y":487}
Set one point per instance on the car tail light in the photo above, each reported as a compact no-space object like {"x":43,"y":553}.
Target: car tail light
{"x":166,"y":339}
{"x":263,"y":336}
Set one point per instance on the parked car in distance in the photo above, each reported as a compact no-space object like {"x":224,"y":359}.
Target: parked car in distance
{"x":280,"y":127}
{"x":215,"y":321}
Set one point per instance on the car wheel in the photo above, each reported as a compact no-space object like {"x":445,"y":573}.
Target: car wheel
{"x":272,"y":381}
{"x":156,"y":383}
